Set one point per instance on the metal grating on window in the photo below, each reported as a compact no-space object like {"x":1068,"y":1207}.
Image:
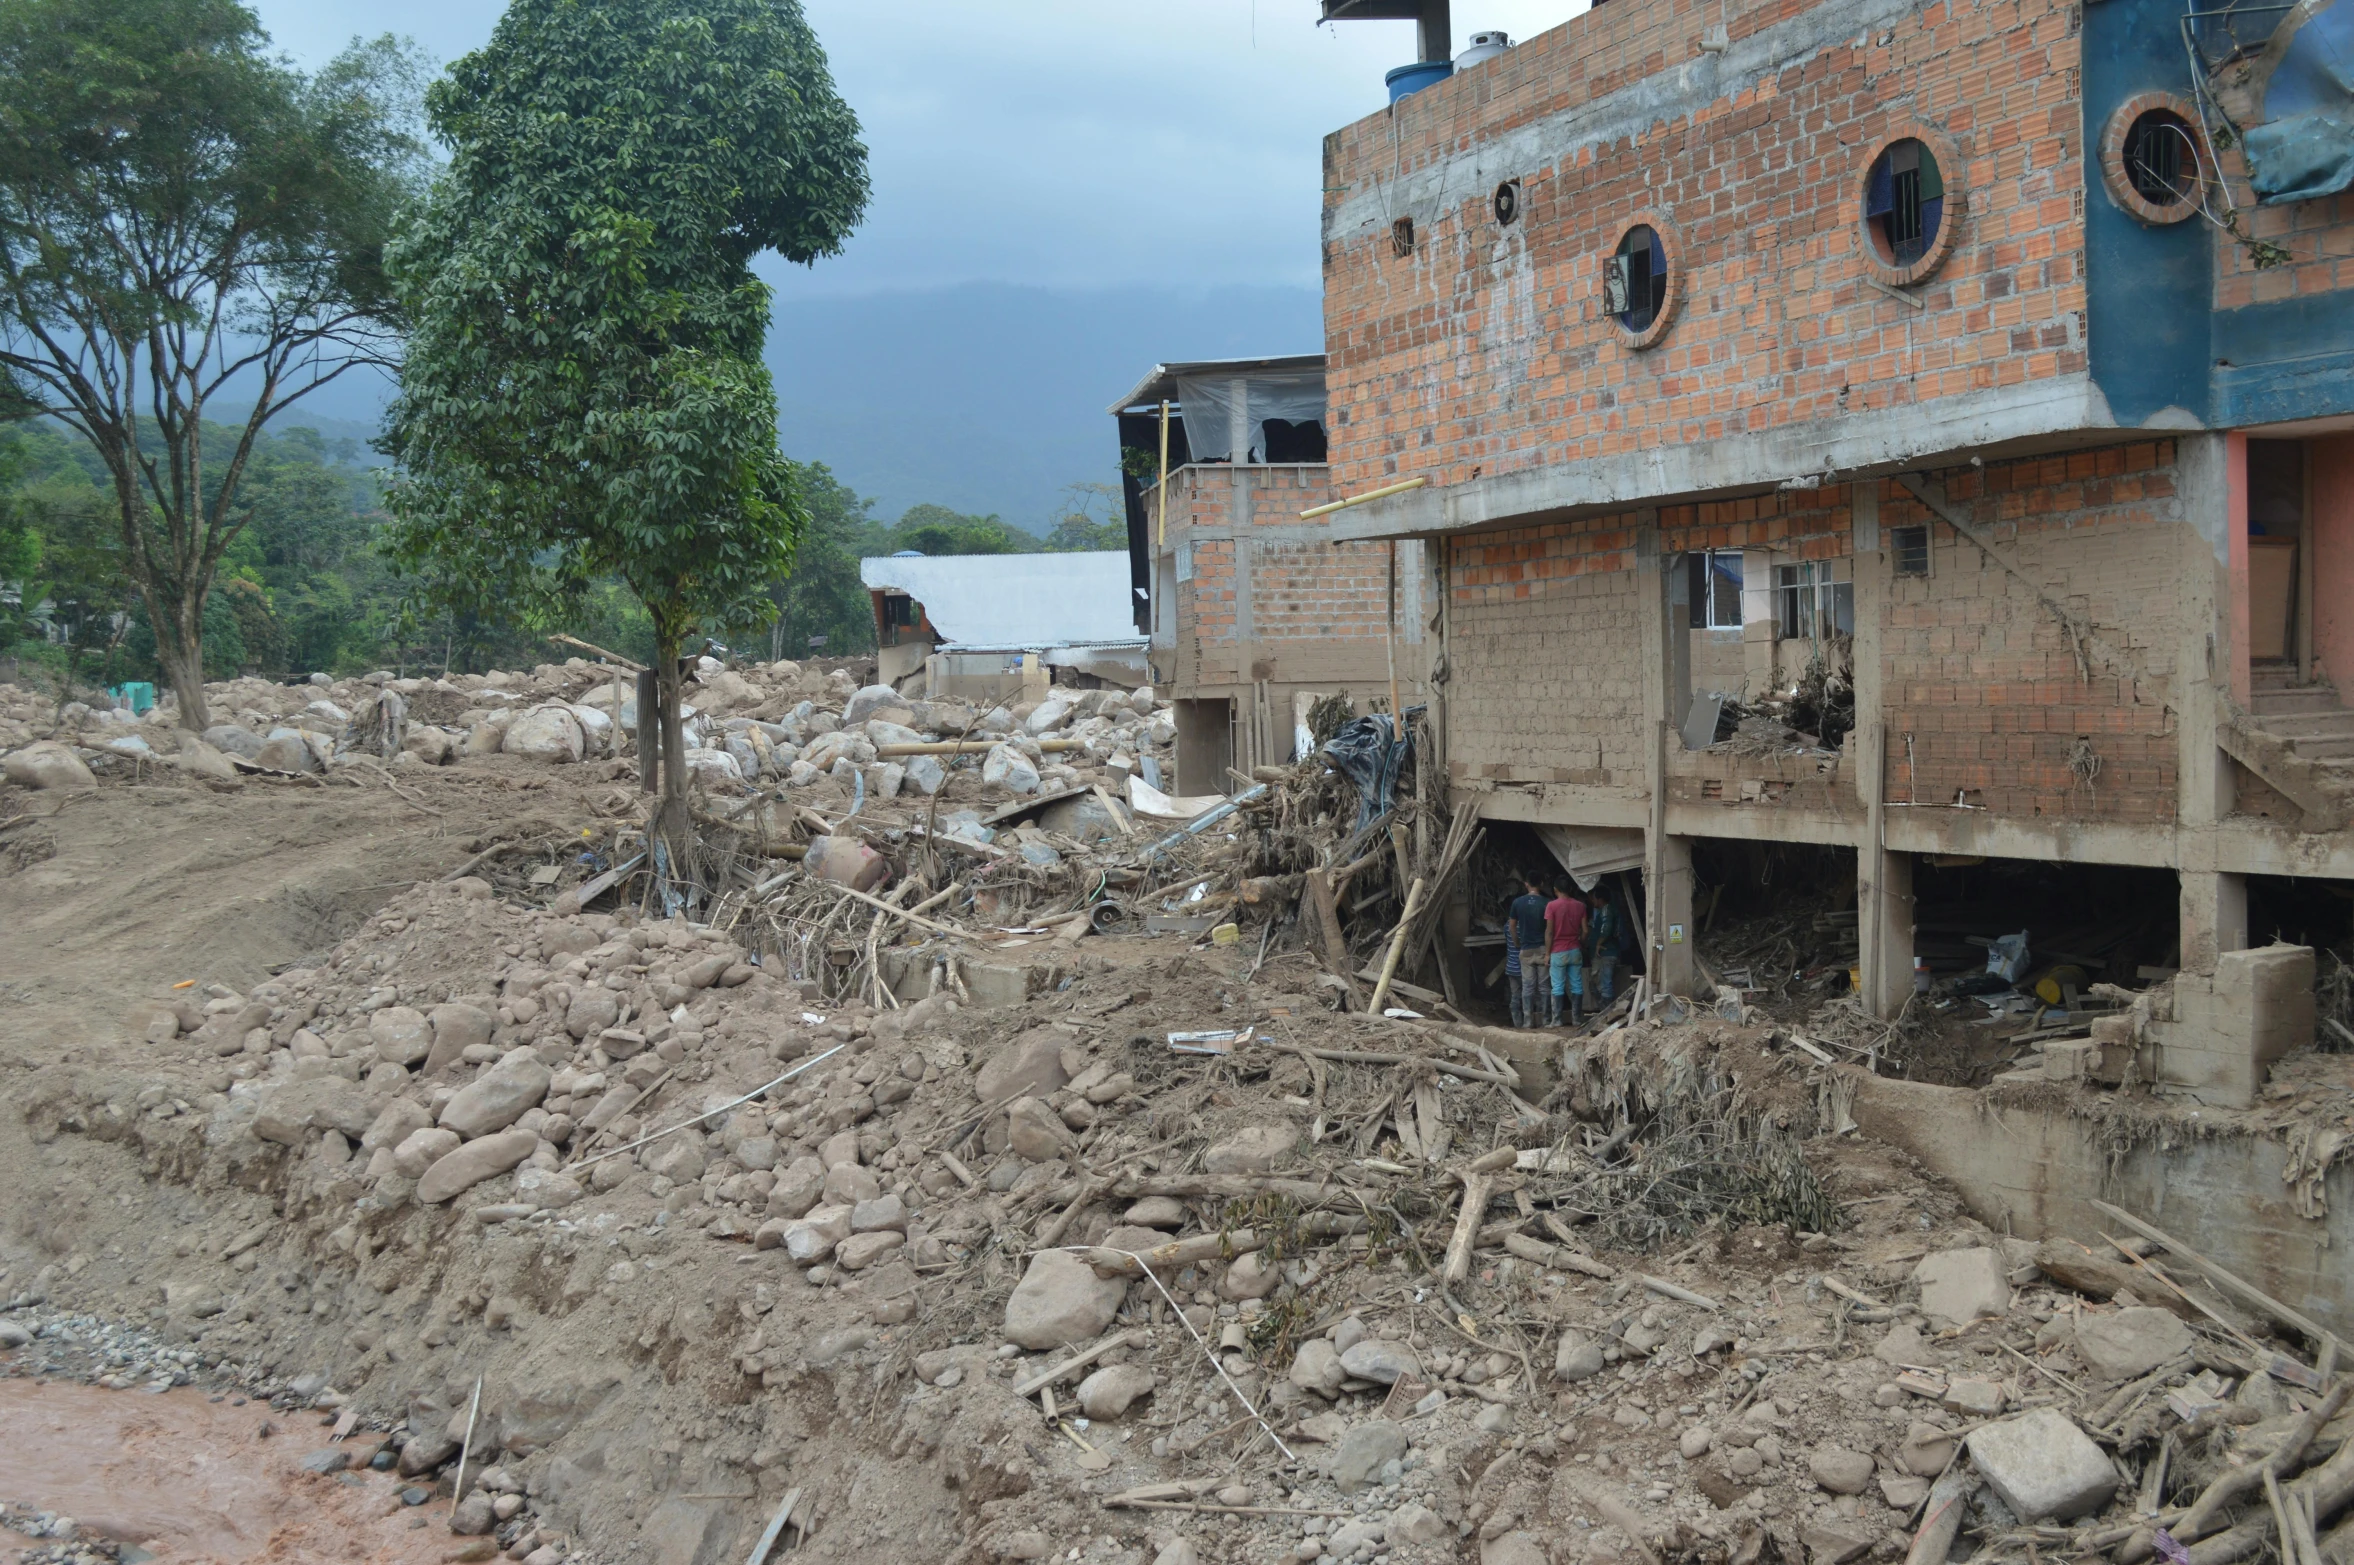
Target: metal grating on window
{"x":1910,"y":548}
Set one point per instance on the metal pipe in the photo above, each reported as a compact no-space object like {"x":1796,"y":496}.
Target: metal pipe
{"x":1204,"y":821}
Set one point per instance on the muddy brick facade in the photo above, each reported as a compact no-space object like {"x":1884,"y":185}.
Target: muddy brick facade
{"x":1936,"y":348}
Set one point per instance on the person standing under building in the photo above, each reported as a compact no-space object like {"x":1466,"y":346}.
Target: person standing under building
{"x":1565,"y":939}
{"x":1526,"y":921}
{"x":1605,"y":927}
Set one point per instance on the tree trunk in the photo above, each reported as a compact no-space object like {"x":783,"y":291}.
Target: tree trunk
{"x":673,"y":821}
{"x":179,"y":647}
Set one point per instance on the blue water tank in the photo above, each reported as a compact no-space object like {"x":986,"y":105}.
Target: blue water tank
{"x":1407,"y":80}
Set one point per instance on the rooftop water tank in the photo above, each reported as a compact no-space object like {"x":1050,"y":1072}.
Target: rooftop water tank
{"x":1484,"y":46}
{"x":1407,"y":80}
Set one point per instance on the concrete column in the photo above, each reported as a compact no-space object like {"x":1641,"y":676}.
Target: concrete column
{"x":1667,"y":894}
{"x":1668,"y":935}
{"x":1884,"y":927}
{"x":2214,"y":917}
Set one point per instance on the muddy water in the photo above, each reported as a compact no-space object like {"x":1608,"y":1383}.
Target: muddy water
{"x":189,"y":1480}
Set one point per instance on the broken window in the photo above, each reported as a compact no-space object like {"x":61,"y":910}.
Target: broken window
{"x":1909,"y":546}
{"x":1904,"y":202}
{"x":1402,"y":237}
{"x":1634,"y":283}
{"x":1811,"y":603}
{"x":1715,"y":582}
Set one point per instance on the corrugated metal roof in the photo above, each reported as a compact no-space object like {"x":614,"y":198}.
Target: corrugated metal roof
{"x":1162,"y":380}
{"x":1016,"y":602}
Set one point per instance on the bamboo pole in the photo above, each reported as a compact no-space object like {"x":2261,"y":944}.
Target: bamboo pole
{"x":1389,"y":963}
{"x":1161,"y":489}
{"x":1401,"y":487}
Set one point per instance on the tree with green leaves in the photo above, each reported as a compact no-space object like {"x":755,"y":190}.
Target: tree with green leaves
{"x":583,"y":393}
{"x":183,"y":218}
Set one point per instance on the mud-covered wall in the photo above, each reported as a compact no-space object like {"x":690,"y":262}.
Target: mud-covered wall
{"x":2037,"y":1170}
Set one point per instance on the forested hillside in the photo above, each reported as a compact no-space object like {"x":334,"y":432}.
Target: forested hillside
{"x":302,"y":588}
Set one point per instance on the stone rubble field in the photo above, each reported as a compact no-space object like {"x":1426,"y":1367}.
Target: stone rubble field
{"x":970,"y":1263}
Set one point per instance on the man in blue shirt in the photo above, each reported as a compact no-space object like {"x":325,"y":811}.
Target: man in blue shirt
{"x":1526,"y":916}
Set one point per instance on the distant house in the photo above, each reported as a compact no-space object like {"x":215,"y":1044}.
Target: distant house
{"x":982,"y":625}
{"x":1253,"y":607}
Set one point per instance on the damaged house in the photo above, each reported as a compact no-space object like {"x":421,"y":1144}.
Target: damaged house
{"x":985,"y":627}
{"x":1255,"y":609}
{"x":1914,"y":442}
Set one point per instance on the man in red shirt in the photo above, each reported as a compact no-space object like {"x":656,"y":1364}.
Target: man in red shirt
{"x":1565,"y":930}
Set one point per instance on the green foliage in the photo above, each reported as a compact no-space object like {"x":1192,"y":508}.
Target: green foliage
{"x":583,"y":397}
{"x":1092,"y":519}
{"x":824,"y":596}
{"x":935,"y":529}
{"x":183,"y":215}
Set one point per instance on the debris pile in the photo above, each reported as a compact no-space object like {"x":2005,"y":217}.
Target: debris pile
{"x":1061,"y":1181}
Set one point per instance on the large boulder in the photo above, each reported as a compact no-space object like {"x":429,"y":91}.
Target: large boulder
{"x":285,"y":750}
{"x":400,"y":1035}
{"x":460,"y":1171}
{"x":233,"y":739}
{"x":47,"y":765}
{"x":1008,"y":768}
{"x":203,"y":760}
{"x":457,"y":1026}
{"x":1060,"y":1300}
{"x":545,"y":733}
{"x":499,"y":1097}
{"x":286,"y":1114}
{"x":867,"y":702}
{"x":1030,"y":1066}
{"x":1254,"y":1149}
{"x":2125,"y":1343}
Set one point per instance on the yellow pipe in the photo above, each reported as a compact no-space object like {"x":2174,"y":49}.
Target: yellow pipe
{"x":1359,"y":499}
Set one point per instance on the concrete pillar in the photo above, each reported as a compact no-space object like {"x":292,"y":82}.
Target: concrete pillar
{"x":1667,"y":895}
{"x":1884,"y":928}
{"x":2214,"y":917}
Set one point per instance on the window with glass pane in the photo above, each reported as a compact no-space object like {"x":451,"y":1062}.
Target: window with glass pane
{"x":1811,"y":604}
{"x":1904,"y":202}
{"x":1714,"y":579}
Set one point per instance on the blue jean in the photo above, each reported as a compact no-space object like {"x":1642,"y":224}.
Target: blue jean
{"x":1569,"y":973}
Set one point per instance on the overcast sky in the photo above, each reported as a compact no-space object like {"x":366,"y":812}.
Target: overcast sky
{"x":1070,"y":143}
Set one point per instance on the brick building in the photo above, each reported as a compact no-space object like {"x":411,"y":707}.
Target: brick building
{"x":1933,"y":345}
{"x":1253,"y":609}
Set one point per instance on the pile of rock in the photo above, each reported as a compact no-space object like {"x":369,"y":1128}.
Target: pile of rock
{"x":769,"y":726}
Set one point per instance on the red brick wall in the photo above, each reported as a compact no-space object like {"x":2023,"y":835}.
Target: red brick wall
{"x":1981,"y":676}
{"x":1485,"y":351}
{"x":1317,"y":606}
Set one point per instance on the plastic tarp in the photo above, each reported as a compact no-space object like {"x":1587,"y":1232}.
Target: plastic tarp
{"x":1296,"y":397}
{"x":1145,"y":799}
{"x":2300,"y":159}
{"x":1367,"y":752}
{"x":1590,"y":852}
{"x":2303,"y":147}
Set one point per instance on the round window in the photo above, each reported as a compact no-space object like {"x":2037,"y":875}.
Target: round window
{"x":2150,"y":161}
{"x":2161,"y":159}
{"x":1507,"y":202}
{"x":1637,"y":289}
{"x":1904,"y":203}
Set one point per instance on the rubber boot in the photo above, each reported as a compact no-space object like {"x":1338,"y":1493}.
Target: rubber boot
{"x":1519,"y":1005}
{"x":1577,"y":1010}
{"x":1552,"y":1009}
